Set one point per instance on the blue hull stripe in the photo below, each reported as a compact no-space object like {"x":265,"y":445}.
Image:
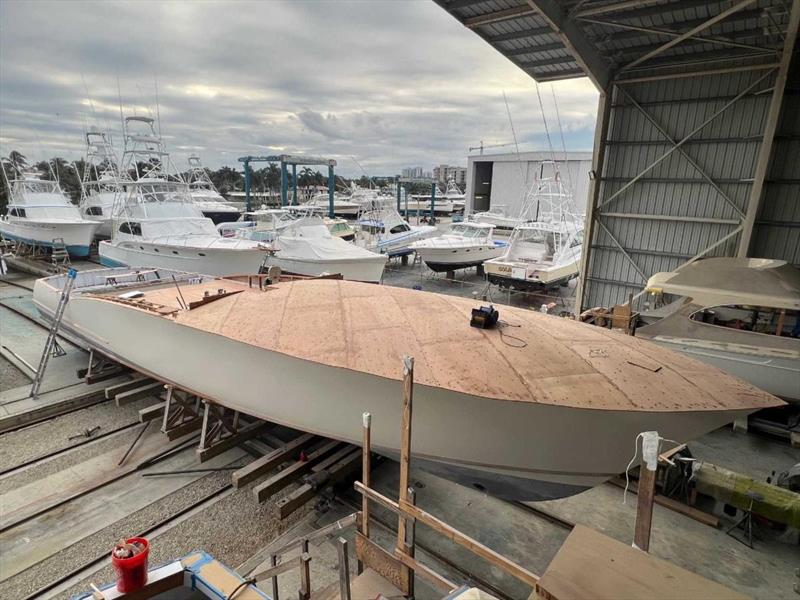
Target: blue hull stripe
{"x":74,"y":250}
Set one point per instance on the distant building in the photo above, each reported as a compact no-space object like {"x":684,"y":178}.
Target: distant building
{"x":413,"y":172}
{"x":444,"y":173}
{"x":503,"y":180}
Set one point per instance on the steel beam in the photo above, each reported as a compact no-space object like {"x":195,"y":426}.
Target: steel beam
{"x":574,"y":39}
{"x":612,"y":8}
{"x":621,"y":248}
{"x":704,"y":73}
{"x":686,"y":138}
{"x":595,"y":181}
{"x":532,"y":49}
{"x":557,"y":75}
{"x":519,"y":35}
{"x":500,"y":15}
{"x":677,"y":219}
{"x":533,"y":64}
{"x":694,"y":30}
{"x":756,"y":192}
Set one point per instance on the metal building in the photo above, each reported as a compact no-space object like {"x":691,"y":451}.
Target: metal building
{"x":504,"y":179}
{"x":697,"y":144}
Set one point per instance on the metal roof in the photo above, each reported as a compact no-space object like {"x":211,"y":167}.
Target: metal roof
{"x":553,"y":40}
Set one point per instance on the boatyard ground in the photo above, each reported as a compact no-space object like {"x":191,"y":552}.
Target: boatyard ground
{"x":50,"y":537}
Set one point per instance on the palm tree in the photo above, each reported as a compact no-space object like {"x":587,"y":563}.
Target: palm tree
{"x":18,"y":160}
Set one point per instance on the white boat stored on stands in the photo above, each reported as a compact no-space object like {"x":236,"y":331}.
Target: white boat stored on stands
{"x":342,"y":206}
{"x":499,"y":216}
{"x":741,"y":315}
{"x":381,"y":229}
{"x":455,"y":196}
{"x":205,"y":194}
{"x":545,"y":419}
{"x":307,"y":247}
{"x":545,"y":252}
{"x":40,"y":214}
{"x":464,"y":245}
{"x":101,"y":183}
{"x":157,"y":224}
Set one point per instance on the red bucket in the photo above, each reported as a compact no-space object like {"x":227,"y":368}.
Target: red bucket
{"x":131,"y":572}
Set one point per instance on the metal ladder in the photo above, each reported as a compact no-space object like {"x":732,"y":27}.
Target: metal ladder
{"x":59,"y":255}
{"x":51,"y":346}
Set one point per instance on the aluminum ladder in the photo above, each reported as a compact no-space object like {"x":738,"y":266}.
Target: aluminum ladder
{"x":51,"y":346}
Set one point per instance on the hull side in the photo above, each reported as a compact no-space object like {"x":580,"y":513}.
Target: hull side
{"x":77,"y":237}
{"x":520,"y":450}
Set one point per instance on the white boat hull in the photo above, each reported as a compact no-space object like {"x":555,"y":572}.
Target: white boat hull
{"x":77,"y":235}
{"x":520,"y":450}
{"x":368,"y":270}
{"x":208,"y":261}
{"x":452,"y":258}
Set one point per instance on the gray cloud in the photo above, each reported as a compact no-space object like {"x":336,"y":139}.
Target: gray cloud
{"x":391,"y":83}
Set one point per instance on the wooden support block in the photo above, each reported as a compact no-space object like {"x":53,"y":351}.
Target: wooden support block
{"x":336,"y":472}
{"x":280,"y":480}
{"x":270,"y":461}
{"x":184,"y":428}
{"x":379,"y":560}
{"x":113,"y":390}
{"x":142,"y":391}
{"x":245,"y":433}
{"x":150,"y":413}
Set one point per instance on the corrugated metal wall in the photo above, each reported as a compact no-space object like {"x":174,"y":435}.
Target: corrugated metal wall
{"x":692,"y":198}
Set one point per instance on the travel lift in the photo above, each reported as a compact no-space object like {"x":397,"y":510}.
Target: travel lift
{"x":287,"y":159}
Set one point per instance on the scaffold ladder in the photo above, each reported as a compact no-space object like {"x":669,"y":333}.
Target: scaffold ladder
{"x":51,"y":346}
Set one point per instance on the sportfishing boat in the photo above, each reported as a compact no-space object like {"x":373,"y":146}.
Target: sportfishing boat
{"x":342,"y":206}
{"x":205,"y":194}
{"x":741,"y":315}
{"x":454,"y":195}
{"x":265,"y":224}
{"x":420,"y":204}
{"x":381,"y":229}
{"x":464,"y":245}
{"x":40,"y":214}
{"x":306,"y":247}
{"x":101,"y":183}
{"x":499,"y":216}
{"x":550,"y":416}
{"x":545,"y":252}
{"x":157,"y":224}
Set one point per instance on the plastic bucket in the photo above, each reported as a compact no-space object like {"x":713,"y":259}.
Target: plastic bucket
{"x":131,"y":572}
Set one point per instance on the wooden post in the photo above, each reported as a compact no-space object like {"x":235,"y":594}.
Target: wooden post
{"x":411,"y":541}
{"x":344,"y":569}
{"x":305,"y":574}
{"x":366,"y":449}
{"x":781,"y":319}
{"x":646,"y":492}
{"x":405,"y":446}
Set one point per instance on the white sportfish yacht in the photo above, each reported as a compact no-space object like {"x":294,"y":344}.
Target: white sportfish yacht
{"x":102,"y":182}
{"x":464,"y":245}
{"x":157,"y":224}
{"x":306,"y":247}
{"x":545,"y":252}
{"x":547,"y":419}
{"x":40,"y":214}
{"x":381,"y":229}
{"x":205,"y":194}
{"x":739,"y":314}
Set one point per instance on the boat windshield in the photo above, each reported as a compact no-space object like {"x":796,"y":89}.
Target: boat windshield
{"x":464,"y":230}
{"x":62,"y":211}
{"x":173,"y":227}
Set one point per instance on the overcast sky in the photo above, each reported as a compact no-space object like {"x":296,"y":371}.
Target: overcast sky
{"x":392,"y":83}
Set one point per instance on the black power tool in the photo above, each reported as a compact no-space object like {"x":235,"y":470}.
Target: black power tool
{"x":484,"y":317}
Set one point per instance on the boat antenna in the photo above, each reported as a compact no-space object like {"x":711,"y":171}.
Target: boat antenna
{"x":561,"y":132}
{"x":121,"y":116}
{"x":544,"y":120}
{"x":514,"y":135}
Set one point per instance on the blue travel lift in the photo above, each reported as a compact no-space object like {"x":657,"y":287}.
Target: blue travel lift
{"x":284,"y":160}
{"x":418,"y":180}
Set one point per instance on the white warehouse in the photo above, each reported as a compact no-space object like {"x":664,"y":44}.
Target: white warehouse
{"x":504,"y":179}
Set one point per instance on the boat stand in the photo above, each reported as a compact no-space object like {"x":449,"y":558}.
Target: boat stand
{"x":222,"y":429}
{"x":181,"y":413}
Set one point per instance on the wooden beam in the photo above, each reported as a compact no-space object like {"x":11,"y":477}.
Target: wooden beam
{"x":383,"y":563}
{"x":366,"y":468}
{"x":142,"y":391}
{"x":426,"y":573}
{"x":405,"y":444}
{"x":152,"y":412}
{"x":644,"y":508}
{"x":492,"y":557}
{"x":282,"y":567}
{"x":244,"y":433}
{"x":500,"y":15}
{"x":113,"y":390}
{"x":268,"y":462}
{"x":280,"y":480}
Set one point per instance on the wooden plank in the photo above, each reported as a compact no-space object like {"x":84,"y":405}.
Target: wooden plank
{"x":366,"y":468}
{"x":336,"y":472}
{"x":280,"y":480}
{"x":425,"y":572}
{"x":268,"y":462}
{"x":282,"y":567}
{"x":184,"y":428}
{"x":117,"y":388}
{"x":152,"y":412}
{"x":591,"y":565}
{"x":644,"y":508}
{"x":405,"y":444}
{"x":383,"y":563}
{"x":489,"y":555}
{"x":129,"y":396}
{"x":244,"y":433}
{"x":677,"y":506}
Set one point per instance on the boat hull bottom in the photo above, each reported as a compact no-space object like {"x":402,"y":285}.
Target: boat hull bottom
{"x":528,"y":286}
{"x":440,"y":267}
{"x":74,"y":250}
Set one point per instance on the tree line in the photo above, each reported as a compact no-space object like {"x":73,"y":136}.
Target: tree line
{"x":226,"y":179}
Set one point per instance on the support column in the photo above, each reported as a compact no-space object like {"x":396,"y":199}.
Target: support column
{"x":247,"y":184}
{"x":598,"y":159}
{"x":331,"y":190}
{"x":757,"y":191}
{"x":433,"y":202}
{"x":284,"y":184}
{"x":294,"y":185}
{"x":398,"y":194}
